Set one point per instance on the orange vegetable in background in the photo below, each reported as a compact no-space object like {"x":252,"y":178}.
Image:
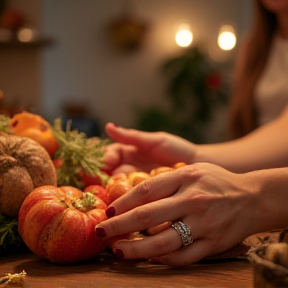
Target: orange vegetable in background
{"x":88,"y":180}
{"x":35,"y":127}
{"x":117,"y":189}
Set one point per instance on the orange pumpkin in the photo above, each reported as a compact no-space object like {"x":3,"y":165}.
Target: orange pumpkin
{"x":34,"y":127}
{"x":58,"y":223}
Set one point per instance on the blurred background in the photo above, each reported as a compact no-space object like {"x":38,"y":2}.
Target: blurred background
{"x":96,"y":61}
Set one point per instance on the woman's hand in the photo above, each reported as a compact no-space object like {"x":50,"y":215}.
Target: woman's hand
{"x":217,"y":205}
{"x":146,"y":150}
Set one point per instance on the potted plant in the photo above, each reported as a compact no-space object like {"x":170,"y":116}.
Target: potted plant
{"x":194,"y":89}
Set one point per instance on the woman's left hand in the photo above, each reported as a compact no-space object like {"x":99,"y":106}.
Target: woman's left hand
{"x":215,"y":204}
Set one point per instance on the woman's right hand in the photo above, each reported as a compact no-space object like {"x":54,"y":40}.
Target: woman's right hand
{"x":145,"y":150}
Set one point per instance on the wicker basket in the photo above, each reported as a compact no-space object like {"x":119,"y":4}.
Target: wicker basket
{"x":268,"y":274}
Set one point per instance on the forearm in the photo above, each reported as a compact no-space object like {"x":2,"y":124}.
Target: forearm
{"x":270,"y":207}
{"x":266,"y":147}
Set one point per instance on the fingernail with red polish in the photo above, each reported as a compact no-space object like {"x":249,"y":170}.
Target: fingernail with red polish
{"x":119,"y":253}
{"x":100,"y":232}
{"x":110,"y":212}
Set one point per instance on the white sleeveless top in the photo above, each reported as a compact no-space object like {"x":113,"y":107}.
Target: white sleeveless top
{"x":271,"y":90}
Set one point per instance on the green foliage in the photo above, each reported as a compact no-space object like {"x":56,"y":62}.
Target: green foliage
{"x":194,"y":90}
{"x":76,"y":152}
{"x":4,"y":124}
{"x":9,"y":236}
{"x":156,"y":119}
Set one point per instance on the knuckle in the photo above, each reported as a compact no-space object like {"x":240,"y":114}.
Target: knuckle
{"x":161,"y":135}
{"x":144,"y":215}
{"x":113,"y":227}
{"x":161,"y":245}
{"x":143,"y":189}
{"x":200,"y":201}
{"x":133,"y":252}
{"x":190,"y":172}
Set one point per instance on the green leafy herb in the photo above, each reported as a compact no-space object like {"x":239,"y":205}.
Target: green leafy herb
{"x":4,"y":124}
{"x":77,"y":154}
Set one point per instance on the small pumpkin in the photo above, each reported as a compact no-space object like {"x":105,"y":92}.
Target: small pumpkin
{"x":58,"y":223}
{"x":24,"y":165}
{"x":33,"y":126}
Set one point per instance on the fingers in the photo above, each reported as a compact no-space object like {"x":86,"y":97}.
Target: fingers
{"x":157,"y":229}
{"x":156,"y":148}
{"x":188,"y":255}
{"x":158,"y":187}
{"x":150,"y":203}
{"x":119,"y":157}
{"x":165,"y":247}
{"x":140,"y":218}
{"x":153,"y":189}
{"x":140,"y":139}
{"x":160,"y":244}
{"x":115,"y":154}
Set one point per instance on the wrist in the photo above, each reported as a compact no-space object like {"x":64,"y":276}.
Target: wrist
{"x":270,"y":210}
{"x":201,"y":153}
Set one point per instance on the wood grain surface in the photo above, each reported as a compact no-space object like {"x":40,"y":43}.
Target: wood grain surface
{"x":106,"y":271}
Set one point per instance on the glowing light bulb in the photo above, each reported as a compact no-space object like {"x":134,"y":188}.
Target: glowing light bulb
{"x":184,"y":35}
{"x":227,"y":38}
{"x":25,"y":35}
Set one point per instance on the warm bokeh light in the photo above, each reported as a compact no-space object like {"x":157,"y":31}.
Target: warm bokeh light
{"x":227,"y":37}
{"x":184,"y":35}
{"x":25,"y":35}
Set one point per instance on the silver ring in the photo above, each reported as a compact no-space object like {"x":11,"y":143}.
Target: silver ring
{"x":184,"y":231}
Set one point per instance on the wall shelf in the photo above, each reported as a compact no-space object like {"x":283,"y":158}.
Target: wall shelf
{"x":15,"y":44}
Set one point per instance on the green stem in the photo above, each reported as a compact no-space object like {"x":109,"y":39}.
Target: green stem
{"x":86,"y":202}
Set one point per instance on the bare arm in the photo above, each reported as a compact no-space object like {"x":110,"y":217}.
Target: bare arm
{"x":266,"y":147}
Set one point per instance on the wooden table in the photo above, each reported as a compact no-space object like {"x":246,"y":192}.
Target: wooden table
{"x":106,"y":271}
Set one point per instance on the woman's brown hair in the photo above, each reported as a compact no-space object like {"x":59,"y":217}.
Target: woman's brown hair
{"x":243,"y":113}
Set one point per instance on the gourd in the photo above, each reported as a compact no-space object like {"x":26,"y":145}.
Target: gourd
{"x":24,"y":165}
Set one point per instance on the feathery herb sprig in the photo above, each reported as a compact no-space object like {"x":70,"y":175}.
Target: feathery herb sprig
{"x":4,"y":124}
{"x":78,"y":153}
{"x":9,"y":235}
